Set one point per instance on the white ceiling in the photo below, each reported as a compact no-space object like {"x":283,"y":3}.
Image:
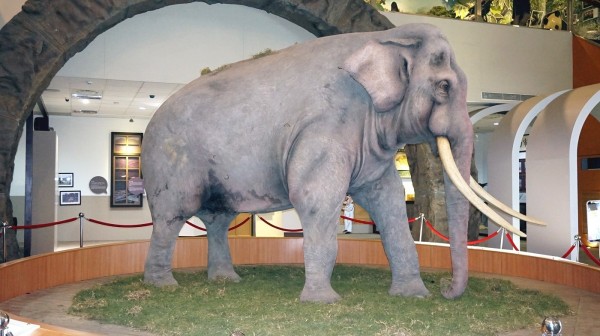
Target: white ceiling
{"x":120,"y":98}
{"x":132,"y":99}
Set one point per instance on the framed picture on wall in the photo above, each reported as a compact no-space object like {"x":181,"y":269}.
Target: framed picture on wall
{"x":126,"y":149}
{"x":65,"y":180}
{"x":70,"y":197}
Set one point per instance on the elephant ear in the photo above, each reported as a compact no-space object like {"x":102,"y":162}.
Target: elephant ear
{"x":380,"y":67}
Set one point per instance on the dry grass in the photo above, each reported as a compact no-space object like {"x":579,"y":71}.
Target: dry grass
{"x":266,"y":303}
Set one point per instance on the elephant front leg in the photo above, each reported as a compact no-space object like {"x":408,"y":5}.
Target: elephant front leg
{"x":220,"y":265}
{"x":384,"y":200}
{"x":317,"y":189}
{"x":320,"y":252}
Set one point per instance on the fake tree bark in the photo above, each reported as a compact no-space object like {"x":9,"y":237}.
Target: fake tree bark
{"x":428,"y":181}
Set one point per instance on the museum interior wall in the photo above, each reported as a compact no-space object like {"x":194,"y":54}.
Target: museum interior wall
{"x":586,"y":62}
{"x":173,"y":44}
{"x":588,"y":182}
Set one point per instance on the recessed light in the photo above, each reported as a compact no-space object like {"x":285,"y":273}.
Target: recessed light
{"x":496,"y":123}
{"x":142,"y":108}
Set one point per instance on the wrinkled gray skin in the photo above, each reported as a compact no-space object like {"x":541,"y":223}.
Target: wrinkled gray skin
{"x":301,"y":128}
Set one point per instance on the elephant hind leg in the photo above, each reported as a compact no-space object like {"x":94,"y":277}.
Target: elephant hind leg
{"x":158,"y":269}
{"x":220,"y":265}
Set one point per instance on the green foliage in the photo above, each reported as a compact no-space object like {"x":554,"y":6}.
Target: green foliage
{"x":378,"y":4}
{"x":440,"y":11}
{"x":266,"y":303}
{"x":263,"y":53}
{"x":207,"y":70}
{"x":500,"y":12}
{"x":461,"y":8}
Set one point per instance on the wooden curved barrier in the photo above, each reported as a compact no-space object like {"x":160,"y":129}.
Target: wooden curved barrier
{"x":28,"y":275}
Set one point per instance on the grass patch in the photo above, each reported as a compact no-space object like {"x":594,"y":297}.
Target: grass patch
{"x":266,"y":303}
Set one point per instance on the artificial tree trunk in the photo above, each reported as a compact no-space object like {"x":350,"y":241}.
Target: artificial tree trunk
{"x":12,"y":246}
{"x":427,"y":175}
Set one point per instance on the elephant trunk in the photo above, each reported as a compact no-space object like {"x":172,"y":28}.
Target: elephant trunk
{"x":457,"y":207}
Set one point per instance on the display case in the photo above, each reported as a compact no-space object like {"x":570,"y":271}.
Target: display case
{"x":126,"y":150}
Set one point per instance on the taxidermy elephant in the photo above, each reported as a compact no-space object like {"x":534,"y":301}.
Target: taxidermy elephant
{"x":301,"y":128}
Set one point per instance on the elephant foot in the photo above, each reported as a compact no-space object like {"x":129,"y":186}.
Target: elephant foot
{"x":227,"y":275}
{"x":162,"y":280}
{"x":411,"y":288}
{"x":321,"y":295}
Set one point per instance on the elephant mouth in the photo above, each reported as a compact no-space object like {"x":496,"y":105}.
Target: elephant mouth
{"x":471,"y":192}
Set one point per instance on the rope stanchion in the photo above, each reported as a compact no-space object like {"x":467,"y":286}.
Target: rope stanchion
{"x":278,"y":228}
{"x":577,"y":242}
{"x":124,"y":226}
{"x":4,"y":254}
{"x":81,"y":217}
{"x":422,"y":217}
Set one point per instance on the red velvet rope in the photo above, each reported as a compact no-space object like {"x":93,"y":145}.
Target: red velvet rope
{"x":439,"y":234}
{"x":38,"y":226}
{"x":410,"y":220}
{"x":358,"y":220}
{"x":279,"y":228}
{"x":427,"y":222}
{"x":511,"y":241}
{"x":124,"y":226}
{"x":589,"y":254}
{"x":569,"y":251}
{"x":195,"y":226}
{"x":230,"y":229}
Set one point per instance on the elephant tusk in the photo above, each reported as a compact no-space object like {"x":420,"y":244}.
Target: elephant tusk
{"x":501,"y":206}
{"x":457,"y":179}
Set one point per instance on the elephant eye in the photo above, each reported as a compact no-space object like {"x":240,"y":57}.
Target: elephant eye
{"x":443,"y":88}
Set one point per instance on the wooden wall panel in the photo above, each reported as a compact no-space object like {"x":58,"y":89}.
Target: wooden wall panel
{"x":30,"y":274}
{"x":586,"y":62}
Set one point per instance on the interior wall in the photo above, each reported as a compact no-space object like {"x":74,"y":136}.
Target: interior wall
{"x":588,"y":181}
{"x":586,"y":62}
{"x":505,"y":59}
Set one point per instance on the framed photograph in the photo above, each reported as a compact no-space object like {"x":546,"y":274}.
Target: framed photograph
{"x":589,"y":14}
{"x":536,"y":19}
{"x":70,"y":197}
{"x":125,"y":167}
{"x":65,"y":180}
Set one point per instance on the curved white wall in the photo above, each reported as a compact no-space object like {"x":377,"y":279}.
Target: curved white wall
{"x":503,"y":156}
{"x":552,"y":170}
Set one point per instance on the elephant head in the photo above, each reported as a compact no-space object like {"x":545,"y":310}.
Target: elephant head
{"x":416,"y":86}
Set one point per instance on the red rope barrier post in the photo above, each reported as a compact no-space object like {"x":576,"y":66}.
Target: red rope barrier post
{"x":422,"y":218}
{"x":4,"y":226}
{"x":81,"y":216}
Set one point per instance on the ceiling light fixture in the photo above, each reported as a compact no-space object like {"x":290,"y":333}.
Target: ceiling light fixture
{"x":86,"y":94}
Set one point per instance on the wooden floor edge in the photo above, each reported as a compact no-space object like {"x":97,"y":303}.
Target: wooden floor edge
{"x":48,"y":270}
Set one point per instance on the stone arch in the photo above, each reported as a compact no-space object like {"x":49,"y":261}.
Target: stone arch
{"x":39,"y":40}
